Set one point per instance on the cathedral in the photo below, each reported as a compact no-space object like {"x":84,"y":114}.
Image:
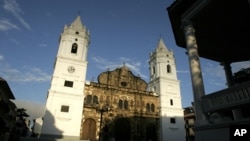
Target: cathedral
{"x":119,"y":106}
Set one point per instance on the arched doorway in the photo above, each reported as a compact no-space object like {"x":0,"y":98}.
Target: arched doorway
{"x":122,"y":130}
{"x":151,"y":132}
{"x":89,"y":130}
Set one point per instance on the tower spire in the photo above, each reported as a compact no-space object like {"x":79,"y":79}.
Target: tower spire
{"x":77,"y":24}
{"x":161,"y":46}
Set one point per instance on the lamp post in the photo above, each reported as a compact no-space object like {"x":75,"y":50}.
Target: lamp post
{"x":101,"y":110}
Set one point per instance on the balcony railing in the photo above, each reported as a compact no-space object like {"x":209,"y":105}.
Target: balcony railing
{"x":235,"y":96}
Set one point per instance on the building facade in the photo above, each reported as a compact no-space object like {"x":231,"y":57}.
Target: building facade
{"x":120,"y":105}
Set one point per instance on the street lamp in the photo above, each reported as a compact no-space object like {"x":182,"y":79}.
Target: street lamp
{"x":103,"y":109}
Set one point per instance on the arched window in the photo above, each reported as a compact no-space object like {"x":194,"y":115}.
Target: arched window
{"x":153,"y":69}
{"x":95,"y":100}
{"x":168,"y":68}
{"x":74,"y":48}
{"x":120,"y":104}
{"x":126,"y":105}
{"x":148,"y":107}
{"x":89,"y":99}
{"x":171,"y":102}
{"x":152,"y":107}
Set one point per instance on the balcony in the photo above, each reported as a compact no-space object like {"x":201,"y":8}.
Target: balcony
{"x":236,"y":96}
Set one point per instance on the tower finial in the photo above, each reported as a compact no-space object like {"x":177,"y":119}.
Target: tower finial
{"x":79,"y":12}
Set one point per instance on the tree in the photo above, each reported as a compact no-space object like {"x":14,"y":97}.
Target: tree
{"x":20,"y":128}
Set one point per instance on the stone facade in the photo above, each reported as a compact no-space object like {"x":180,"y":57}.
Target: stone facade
{"x":129,"y":111}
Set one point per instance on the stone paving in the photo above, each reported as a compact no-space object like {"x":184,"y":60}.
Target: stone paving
{"x":39,"y":139}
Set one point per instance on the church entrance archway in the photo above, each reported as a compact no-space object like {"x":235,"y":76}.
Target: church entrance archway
{"x":122,"y":130}
{"x":151,"y":132}
{"x":89,"y":130}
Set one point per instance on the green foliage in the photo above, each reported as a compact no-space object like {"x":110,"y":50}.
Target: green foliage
{"x":21,"y":113}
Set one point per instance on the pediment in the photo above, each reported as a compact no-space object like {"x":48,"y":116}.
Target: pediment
{"x":122,"y":77}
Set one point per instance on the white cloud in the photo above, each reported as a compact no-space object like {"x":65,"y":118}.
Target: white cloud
{"x":13,"y":7}
{"x":25,"y":74}
{"x":1,"y":57}
{"x":6,"y":25}
{"x":214,"y":70}
{"x":15,"y":42}
{"x":214,"y":74}
{"x":182,"y":71}
{"x":42,"y":45}
{"x":134,"y":66}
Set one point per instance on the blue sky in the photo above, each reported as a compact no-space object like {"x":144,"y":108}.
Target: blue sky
{"x":121,"y":31}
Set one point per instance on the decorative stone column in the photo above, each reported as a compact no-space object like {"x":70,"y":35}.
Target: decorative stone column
{"x":196,"y":74}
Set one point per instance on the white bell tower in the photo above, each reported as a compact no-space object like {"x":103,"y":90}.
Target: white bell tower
{"x":65,"y":99}
{"x":164,"y":82}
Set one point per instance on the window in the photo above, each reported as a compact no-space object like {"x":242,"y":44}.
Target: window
{"x":74,"y":48}
{"x":65,"y":108}
{"x":95,"y":100}
{"x":168,"y":68}
{"x":124,"y":84}
{"x":77,"y":32}
{"x":89,"y":99}
{"x":125,"y":104}
{"x":148,"y":107}
{"x":154,"y":89}
{"x":120,"y":104}
{"x":153,"y":69}
{"x":68,"y":83}
{"x":152,"y":107}
{"x":172,"y":120}
{"x":171,"y":102}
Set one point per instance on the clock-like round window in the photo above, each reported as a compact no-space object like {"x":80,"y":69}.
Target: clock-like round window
{"x":124,"y":84}
{"x":71,"y":69}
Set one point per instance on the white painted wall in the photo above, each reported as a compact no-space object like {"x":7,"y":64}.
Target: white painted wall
{"x":57,"y":122}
